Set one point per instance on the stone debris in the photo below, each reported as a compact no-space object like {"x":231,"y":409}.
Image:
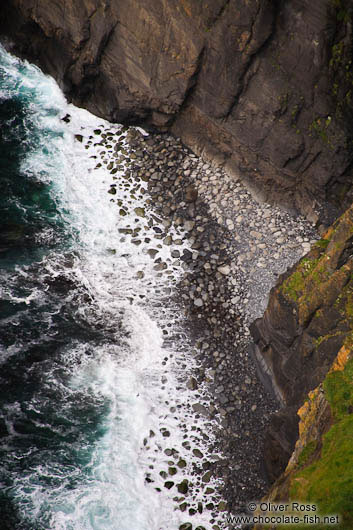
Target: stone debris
{"x":242,"y":247}
{"x":232,"y":250}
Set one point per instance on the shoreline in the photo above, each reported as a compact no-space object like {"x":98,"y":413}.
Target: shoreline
{"x":231,"y":251}
{"x":240,"y":248}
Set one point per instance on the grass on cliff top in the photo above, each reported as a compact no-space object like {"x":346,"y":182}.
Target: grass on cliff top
{"x":328,"y":482}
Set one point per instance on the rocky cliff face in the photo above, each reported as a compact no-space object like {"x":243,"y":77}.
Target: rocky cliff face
{"x":263,"y":87}
{"x":308,"y":321}
{"x":320,"y":470}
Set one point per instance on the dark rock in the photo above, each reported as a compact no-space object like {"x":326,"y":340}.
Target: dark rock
{"x":304,"y":327}
{"x":185,"y":526}
{"x":262,"y":88}
{"x":183,"y":487}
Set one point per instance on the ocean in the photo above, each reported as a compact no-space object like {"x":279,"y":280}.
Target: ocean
{"x":92,"y":349}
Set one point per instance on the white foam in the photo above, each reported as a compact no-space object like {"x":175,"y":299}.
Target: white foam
{"x":125,"y":373}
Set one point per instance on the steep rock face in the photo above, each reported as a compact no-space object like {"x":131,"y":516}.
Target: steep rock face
{"x":308,"y":320}
{"x":263,"y":87}
{"x":320,"y":470}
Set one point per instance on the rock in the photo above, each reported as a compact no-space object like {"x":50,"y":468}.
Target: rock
{"x":192,"y":384}
{"x":207,"y":476}
{"x":84,"y":52}
{"x":181,"y":463}
{"x":183,"y":487}
{"x":191,"y":194}
{"x":79,"y":137}
{"x":201,"y":409}
{"x":189,"y":225}
{"x":140,"y":212}
{"x":224,"y":269}
{"x":296,"y":341}
{"x":222,"y":506}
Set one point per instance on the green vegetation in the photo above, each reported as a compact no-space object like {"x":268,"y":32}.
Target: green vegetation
{"x":307,"y":452}
{"x":320,"y":126}
{"x":294,"y":286}
{"x":322,"y":243}
{"x":338,"y":388}
{"x":328,"y":481}
{"x":343,"y":10}
{"x":329,"y":336}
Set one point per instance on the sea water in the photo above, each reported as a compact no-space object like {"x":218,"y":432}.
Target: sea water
{"x":88,"y":379}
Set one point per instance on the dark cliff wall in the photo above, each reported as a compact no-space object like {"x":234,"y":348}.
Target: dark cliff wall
{"x":309,"y":319}
{"x":264,"y":87}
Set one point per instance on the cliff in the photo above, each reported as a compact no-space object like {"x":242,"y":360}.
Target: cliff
{"x":263,"y":87}
{"x":320,"y":471}
{"x":305,"y":334}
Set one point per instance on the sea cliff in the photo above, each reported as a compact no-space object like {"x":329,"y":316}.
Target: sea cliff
{"x":303,"y":345}
{"x":261,"y":87}
{"x":264,"y":89}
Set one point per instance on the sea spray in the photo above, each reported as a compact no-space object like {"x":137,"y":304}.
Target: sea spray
{"x":88,"y":382}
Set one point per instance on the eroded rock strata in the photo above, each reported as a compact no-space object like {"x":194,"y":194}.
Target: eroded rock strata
{"x":319,"y":472}
{"x":307,"y":323}
{"x":262,"y":87}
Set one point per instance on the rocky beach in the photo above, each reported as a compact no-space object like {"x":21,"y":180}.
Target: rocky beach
{"x":232,"y":249}
{"x":214,"y":345}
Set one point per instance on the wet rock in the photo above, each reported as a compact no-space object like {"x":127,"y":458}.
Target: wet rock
{"x":185,"y":526}
{"x":192,"y":384}
{"x":183,"y":487}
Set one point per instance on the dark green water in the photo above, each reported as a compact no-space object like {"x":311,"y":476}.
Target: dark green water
{"x":47,"y":429}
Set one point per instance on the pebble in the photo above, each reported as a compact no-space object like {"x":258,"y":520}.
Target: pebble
{"x":228,"y":274}
{"x":225,"y":270}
